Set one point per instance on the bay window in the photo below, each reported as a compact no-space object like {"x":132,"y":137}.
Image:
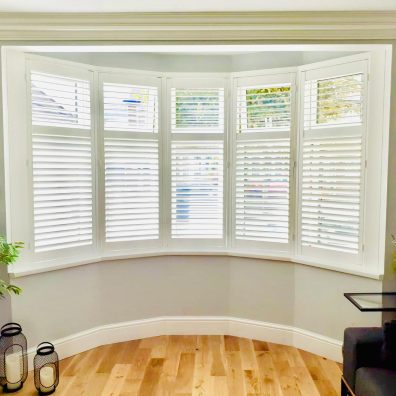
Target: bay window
{"x":280,"y":163}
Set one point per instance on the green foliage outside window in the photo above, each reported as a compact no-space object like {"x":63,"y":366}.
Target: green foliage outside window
{"x":339,"y":100}
{"x":197,"y":108}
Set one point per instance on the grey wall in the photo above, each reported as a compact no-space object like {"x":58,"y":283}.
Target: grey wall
{"x":319,"y":304}
{"x":59,"y":303}
{"x":198,"y":63}
{"x":389,"y":283}
{"x":5,"y":305}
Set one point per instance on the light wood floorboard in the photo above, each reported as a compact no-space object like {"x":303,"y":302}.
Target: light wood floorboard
{"x":195,"y":366}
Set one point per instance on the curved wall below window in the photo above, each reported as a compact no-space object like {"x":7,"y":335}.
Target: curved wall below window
{"x":61,"y":303}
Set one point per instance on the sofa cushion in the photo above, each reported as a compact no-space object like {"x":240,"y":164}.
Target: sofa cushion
{"x":375,"y":382}
{"x":389,"y":345}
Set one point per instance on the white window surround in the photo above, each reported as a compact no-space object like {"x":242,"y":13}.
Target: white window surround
{"x":19,"y":211}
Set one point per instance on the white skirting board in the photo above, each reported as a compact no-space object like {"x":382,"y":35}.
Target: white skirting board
{"x":196,"y":325}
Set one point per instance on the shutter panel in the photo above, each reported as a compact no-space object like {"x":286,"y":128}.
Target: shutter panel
{"x":130,"y":108}
{"x":132,"y":190}
{"x":332,"y":162}
{"x":197,"y":110}
{"x":60,"y":101}
{"x":263,"y":108}
{"x":334,"y":101}
{"x":61,"y":162}
{"x":62,"y":190}
{"x":197,"y":189}
{"x":262,"y":162}
{"x":331,"y":188}
{"x":262,"y":190}
{"x":131,"y":162}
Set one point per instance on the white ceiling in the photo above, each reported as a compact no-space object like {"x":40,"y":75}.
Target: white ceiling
{"x":191,"y":5}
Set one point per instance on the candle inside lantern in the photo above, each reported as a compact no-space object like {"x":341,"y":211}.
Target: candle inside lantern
{"x":47,"y":379}
{"x":13,"y":371}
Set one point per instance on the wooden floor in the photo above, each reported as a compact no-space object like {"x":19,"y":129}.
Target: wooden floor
{"x":193,"y":366}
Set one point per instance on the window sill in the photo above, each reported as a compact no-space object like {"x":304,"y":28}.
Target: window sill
{"x":21,"y":270}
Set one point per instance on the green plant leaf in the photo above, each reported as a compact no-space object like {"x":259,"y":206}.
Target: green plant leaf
{"x":9,"y":253}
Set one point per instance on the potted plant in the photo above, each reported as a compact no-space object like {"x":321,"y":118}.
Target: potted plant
{"x":9,"y":252}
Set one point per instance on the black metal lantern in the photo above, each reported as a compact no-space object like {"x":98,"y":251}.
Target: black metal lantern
{"x":46,"y":369}
{"x":13,"y":358}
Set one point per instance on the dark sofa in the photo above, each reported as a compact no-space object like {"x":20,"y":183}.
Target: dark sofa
{"x":368,"y":370}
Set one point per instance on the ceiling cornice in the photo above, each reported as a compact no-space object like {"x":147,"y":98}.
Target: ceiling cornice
{"x":207,"y":26}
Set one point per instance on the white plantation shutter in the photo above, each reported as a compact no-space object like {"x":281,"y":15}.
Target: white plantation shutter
{"x":197,"y":155}
{"x":332,"y":153}
{"x":130,"y":107}
{"x":336,"y":101}
{"x":131,"y":154}
{"x":262,"y":161}
{"x":264,"y":108}
{"x":197,"y":110}
{"x":262,"y":190}
{"x":62,"y":191}
{"x":61,"y":162}
{"x":60,"y":101}
{"x":132,"y":201}
{"x":197,"y":189}
{"x":331,"y":189}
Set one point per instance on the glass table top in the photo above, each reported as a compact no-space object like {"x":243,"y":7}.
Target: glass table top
{"x":373,"y":302}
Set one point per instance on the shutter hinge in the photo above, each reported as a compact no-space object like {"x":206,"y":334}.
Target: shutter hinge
{"x":365,"y":163}
{"x":362,"y":247}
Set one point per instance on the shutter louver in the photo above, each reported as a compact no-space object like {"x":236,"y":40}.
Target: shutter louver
{"x":131,"y":162}
{"x":197,"y":189}
{"x":264,"y":108}
{"x":62,"y":188}
{"x":197,"y":110}
{"x":132,"y":190}
{"x":60,"y":101}
{"x":130,"y":108}
{"x":262,"y":190}
{"x":330,"y":214}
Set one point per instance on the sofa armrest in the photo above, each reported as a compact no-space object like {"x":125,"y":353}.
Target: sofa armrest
{"x":362,"y":348}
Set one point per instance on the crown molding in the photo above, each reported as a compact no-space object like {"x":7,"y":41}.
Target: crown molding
{"x":203,"y":26}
